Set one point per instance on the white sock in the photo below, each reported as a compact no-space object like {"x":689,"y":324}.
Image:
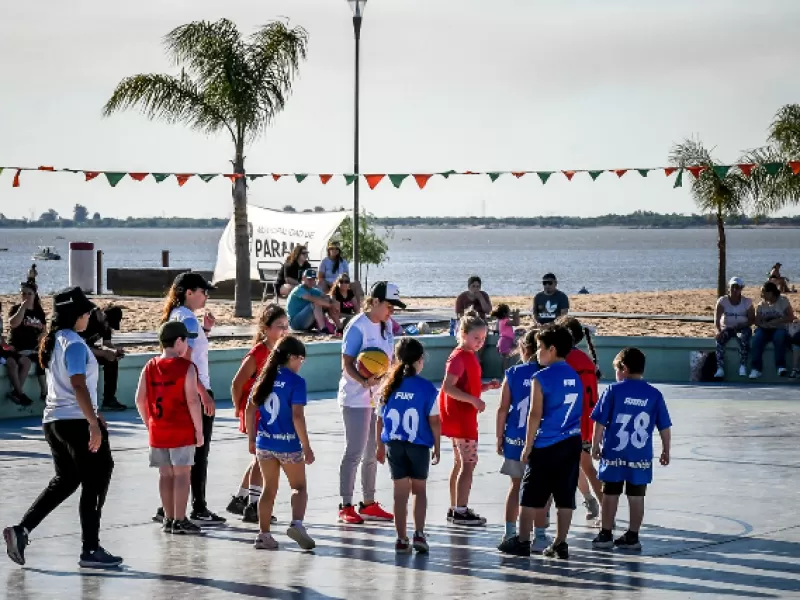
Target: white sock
{"x":254,"y":494}
{"x":243,"y":493}
{"x":461,"y":509}
{"x":297,"y":523}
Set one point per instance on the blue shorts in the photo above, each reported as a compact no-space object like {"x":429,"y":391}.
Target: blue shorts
{"x":303,"y":320}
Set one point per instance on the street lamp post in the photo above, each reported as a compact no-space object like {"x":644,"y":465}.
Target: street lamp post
{"x":358,"y":12}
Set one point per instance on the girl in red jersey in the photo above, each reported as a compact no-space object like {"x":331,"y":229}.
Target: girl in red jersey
{"x":459,"y":405}
{"x":587,"y":370}
{"x":273,"y":323}
{"x":169,"y":404}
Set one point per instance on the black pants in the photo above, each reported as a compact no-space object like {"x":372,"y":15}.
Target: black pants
{"x":75,"y":466}
{"x":110,"y":377}
{"x":199,"y":474}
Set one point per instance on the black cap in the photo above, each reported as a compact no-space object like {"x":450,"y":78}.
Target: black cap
{"x":172,"y":330}
{"x":387,"y":292}
{"x":192,"y":281}
{"x":310,"y":274}
{"x":549,"y":276}
{"x":72,"y":301}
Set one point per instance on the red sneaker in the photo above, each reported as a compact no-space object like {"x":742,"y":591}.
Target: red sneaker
{"x":374,"y":512}
{"x":348,"y":514}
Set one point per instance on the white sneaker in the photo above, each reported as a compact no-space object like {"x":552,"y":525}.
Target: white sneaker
{"x":782,"y":372}
{"x":720,"y":374}
{"x":742,"y":371}
{"x":265,"y":541}
{"x":539,"y":543}
{"x":755,"y":374}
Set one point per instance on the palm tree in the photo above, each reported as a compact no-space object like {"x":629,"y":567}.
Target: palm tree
{"x":228,"y":84}
{"x":777,"y":190}
{"x":785,"y":131}
{"x":723,"y":195}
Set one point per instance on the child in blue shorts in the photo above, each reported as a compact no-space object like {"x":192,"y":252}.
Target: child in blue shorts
{"x":408,"y":427}
{"x":624,"y":419}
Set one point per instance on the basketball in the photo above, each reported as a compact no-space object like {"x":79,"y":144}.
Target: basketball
{"x":372,"y":362}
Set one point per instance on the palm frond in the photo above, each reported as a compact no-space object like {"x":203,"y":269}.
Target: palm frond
{"x":785,"y":130}
{"x":771,"y":193}
{"x":171,"y":99}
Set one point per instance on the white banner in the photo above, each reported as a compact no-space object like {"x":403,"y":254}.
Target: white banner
{"x":273,"y":234}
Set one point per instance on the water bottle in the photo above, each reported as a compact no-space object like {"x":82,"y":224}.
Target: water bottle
{"x":453,"y":326}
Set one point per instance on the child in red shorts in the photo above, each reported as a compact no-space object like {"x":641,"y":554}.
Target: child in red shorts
{"x":273,"y":324}
{"x":459,"y":405}
{"x":169,"y":404}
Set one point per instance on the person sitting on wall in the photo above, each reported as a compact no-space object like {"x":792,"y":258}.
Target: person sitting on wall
{"x":733,"y":318}
{"x":307,"y":306}
{"x":291,"y":271}
{"x":342,"y":293}
{"x":551,"y":303}
{"x":773,"y":315}
{"x":474,"y":298}
{"x":102,"y":323}
{"x":775,"y":277}
{"x":332,"y":266}
{"x":26,"y":326}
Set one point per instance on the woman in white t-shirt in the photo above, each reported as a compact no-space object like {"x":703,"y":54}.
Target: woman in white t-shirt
{"x":734,"y":317}
{"x":186,"y":297}
{"x":370,"y":329}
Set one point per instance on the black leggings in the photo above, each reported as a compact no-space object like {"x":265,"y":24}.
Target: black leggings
{"x":199,"y":474}
{"x":75,"y":466}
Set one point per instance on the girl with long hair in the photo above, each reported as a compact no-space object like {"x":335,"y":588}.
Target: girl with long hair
{"x":74,"y":430}
{"x":276,"y":429}
{"x":26,"y":325}
{"x":369,"y":329}
{"x":273,"y":324}
{"x":332,"y":267}
{"x":408,"y":428}
{"x":342,"y":292}
{"x":188,"y":296}
{"x":291,"y":273}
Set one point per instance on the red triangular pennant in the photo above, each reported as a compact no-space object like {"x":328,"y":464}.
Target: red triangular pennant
{"x":795,"y":166}
{"x":374,"y":180}
{"x":138,"y":176}
{"x":46,"y":169}
{"x":16,"y":178}
{"x":183,"y":178}
{"x":422,"y":180}
{"x":669,"y":170}
{"x":620,"y":172}
{"x":518,"y":174}
{"x":746,"y":169}
{"x":696,"y":170}
{"x":569,"y":174}
{"x":275,"y":176}
{"x":91,"y":174}
{"x":325,"y":178}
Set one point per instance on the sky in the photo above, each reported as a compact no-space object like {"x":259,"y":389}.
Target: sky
{"x":446,"y":84}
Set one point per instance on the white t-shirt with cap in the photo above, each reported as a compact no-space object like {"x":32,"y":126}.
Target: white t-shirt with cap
{"x":71,"y":356}
{"x":359,"y":334}
{"x":199,"y":345}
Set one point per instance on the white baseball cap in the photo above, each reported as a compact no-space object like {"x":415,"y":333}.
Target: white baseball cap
{"x":387,"y":292}
{"x":736,"y":281}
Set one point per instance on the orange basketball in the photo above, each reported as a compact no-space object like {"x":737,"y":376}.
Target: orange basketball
{"x":372,"y":362}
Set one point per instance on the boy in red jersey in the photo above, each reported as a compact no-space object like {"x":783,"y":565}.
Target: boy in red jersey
{"x":587,"y":370}
{"x":169,"y":403}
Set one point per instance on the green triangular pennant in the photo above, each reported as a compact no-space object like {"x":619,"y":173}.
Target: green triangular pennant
{"x":397,"y":179}
{"x":494,"y":176}
{"x":721,"y":170}
{"x":544,"y":175}
{"x":114,"y":178}
{"x":595,"y":174}
{"x":208,"y":177}
{"x":300,"y":177}
{"x":679,"y":180}
{"x":643,"y":172}
{"x":159,"y":177}
{"x":447,"y":174}
{"x":254,"y":176}
{"x":349,"y":179}
{"x":1,"y":170}
{"x":773,"y":168}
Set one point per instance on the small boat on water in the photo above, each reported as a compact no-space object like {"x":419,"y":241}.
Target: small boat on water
{"x":3,"y":249}
{"x":46,"y":253}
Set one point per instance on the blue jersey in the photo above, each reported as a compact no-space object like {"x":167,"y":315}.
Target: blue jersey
{"x":518,"y":380}
{"x":276,"y":430}
{"x":629,"y":410}
{"x":405,"y":414}
{"x":562,"y":406}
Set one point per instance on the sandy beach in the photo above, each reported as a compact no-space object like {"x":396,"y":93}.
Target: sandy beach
{"x":143,"y":314}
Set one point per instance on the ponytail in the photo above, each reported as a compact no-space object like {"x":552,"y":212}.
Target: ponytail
{"x":48,"y":342}
{"x":175,"y":298}
{"x":408,"y":351}
{"x":592,"y":351}
{"x":286,"y":348}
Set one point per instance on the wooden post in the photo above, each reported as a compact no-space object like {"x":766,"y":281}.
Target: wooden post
{"x":99,"y":288}
{"x":165,"y":258}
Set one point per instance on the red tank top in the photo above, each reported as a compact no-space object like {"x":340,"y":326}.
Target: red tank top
{"x":260,"y":354}
{"x":459,"y":419}
{"x":171,"y":424}
{"x":586,"y":369}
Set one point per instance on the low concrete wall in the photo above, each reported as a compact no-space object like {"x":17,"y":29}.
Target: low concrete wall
{"x":668,"y":361}
{"x":155,"y":282}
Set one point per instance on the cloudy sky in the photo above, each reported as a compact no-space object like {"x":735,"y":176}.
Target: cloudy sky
{"x":461,"y":84}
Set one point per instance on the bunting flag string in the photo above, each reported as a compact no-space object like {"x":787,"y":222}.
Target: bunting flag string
{"x":397,"y":179}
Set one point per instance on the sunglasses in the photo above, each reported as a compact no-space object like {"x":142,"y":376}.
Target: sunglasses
{"x":344,"y":281}
{"x":304,"y":254}
{"x":548,"y":283}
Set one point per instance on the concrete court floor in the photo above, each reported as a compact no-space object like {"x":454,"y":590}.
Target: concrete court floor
{"x":721,"y":521}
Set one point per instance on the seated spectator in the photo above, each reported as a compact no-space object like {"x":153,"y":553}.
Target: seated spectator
{"x":778,"y":279}
{"x":550,"y":303}
{"x":733,"y":318}
{"x":307,"y":305}
{"x":102,"y":323}
{"x":773,"y":315}
{"x":473,"y":299}
{"x":26,"y":326}
{"x":342,"y":293}
{"x":290,"y":274}
{"x":796,"y":352}
{"x":331,"y":267}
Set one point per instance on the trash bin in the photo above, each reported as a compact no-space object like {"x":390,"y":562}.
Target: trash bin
{"x":81,"y":266}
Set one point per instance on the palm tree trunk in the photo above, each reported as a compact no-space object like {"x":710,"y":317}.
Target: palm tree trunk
{"x":242,"y":303}
{"x":723,"y":251}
